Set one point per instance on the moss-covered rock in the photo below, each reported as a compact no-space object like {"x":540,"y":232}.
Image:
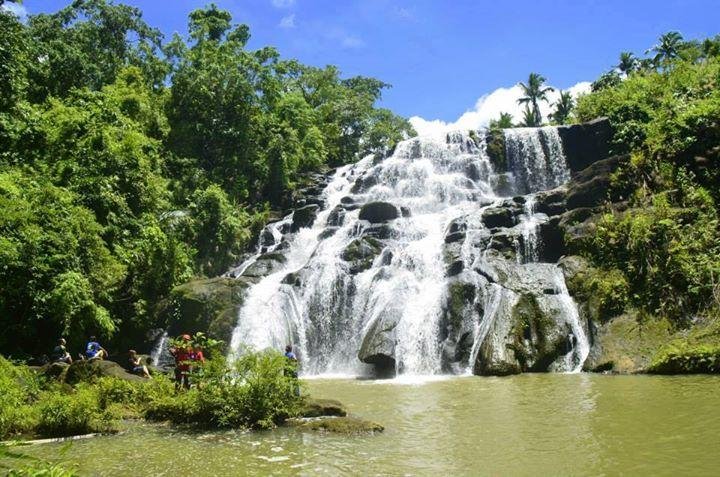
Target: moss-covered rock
{"x":86,"y":371}
{"x":361,"y":253}
{"x":495,"y":141}
{"x":340,"y":425}
{"x":626,"y":344}
{"x":322,"y":407}
{"x":696,"y":350}
{"x":207,"y":305}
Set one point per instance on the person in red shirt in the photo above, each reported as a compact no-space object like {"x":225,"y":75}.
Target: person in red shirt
{"x":184,"y":356}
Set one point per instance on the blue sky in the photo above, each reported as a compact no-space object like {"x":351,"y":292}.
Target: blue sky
{"x":443,"y":56}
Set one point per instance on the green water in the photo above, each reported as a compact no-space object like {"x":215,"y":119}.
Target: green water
{"x":524,"y":425}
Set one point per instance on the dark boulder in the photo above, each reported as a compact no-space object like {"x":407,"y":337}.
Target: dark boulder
{"x":304,"y":217}
{"x":378,"y":212}
{"x":86,"y":371}
{"x":586,"y":143}
{"x":328,"y":232}
{"x":336,"y":216}
{"x":379,"y":231}
{"x":378,"y":345}
{"x":455,"y":237}
{"x":592,"y":186}
{"x":498,"y":217}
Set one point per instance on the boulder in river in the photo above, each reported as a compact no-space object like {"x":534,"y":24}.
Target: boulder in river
{"x":304,"y":217}
{"x":378,"y":212}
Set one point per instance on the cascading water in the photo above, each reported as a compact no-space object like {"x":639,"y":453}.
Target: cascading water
{"x":379,"y":289}
{"x":160,"y":355}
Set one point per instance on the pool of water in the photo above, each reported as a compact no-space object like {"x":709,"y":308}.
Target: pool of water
{"x":541,"y":424}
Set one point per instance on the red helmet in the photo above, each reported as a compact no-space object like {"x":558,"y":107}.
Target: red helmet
{"x":186,"y":337}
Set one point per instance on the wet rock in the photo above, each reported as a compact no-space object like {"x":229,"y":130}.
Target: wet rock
{"x":405,"y":211}
{"x":457,"y":225}
{"x":378,"y":212}
{"x":378,"y":344}
{"x":361,"y":253}
{"x":292,"y":279}
{"x":586,"y":143}
{"x":265,"y":265}
{"x":498,"y":217}
{"x":455,"y":268}
{"x":455,"y":237}
{"x":328,"y":232}
{"x":379,"y":231}
{"x":304,"y":217}
{"x":336,"y":216}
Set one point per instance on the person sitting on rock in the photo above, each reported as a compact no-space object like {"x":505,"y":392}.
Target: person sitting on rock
{"x":184,"y":355}
{"x":60,"y":353}
{"x":136,"y":366}
{"x":93,"y":350}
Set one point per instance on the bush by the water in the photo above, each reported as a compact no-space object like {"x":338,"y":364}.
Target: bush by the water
{"x":256,"y":391}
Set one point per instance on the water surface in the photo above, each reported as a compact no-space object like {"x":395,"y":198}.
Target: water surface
{"x":543,"y":424}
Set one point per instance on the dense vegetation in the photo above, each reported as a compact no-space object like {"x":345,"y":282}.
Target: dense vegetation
{"x":129,"y":164}
{"x":667,"y":116}
{"x":256,"y":391}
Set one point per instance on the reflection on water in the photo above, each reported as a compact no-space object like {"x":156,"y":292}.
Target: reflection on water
{"x":549,"y":424}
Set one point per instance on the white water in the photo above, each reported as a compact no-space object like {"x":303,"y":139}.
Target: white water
{"x":437,"y":180}
{"x":160,"y":354}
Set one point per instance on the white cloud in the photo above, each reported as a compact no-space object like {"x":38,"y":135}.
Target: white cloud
{"x":282,"y":3}
{"x":15,"y":8}
{"x":350,"y":41}
{"x":488,"y":107}
{"x":287,"y":21}
{"x":404,"y":13}
{"x":340,"y":36}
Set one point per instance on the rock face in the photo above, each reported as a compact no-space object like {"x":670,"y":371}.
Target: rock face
{"x":265,"y":265}
{"x":209,"y":305}
{"x":586,"y":143}
{"x":361,"y":253}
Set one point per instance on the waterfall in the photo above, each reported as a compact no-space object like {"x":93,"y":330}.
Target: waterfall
{"x":160,"y":355}
{"x":536,"y":158}
{"x":269,"y":240}
{"x":351,"y":287}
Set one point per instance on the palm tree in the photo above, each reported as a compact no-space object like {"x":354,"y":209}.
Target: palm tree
{"x":535,"y":91}
{"x":529,"y":118}
{"x":667,"y":48}
{"x":503,"y":122}
{"x":628,"y":63}
{"x":563,"y":107}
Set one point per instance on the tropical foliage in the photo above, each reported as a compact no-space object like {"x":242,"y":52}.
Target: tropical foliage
{"x":129,"y":164}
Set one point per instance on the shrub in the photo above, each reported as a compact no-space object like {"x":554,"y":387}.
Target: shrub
{"x":79,"y":412}
{"x":256,"y":391}
{"x":19,"y":386}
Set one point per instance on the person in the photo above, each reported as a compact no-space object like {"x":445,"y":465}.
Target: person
{"x":291,"y":366}
{"x":184,"y":356}
{"x":93,"y":350}
{"x":136,"y":366}
{"x":60,"y":353}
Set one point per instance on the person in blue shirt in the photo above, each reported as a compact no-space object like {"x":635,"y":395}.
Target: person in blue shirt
{"x":93,"y":350}
{"x":291,"y":368}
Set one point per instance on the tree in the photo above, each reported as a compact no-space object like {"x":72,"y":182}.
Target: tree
{"x":667,"y":48}
{"x":529,"y":119}
{"x":563,"y":107}
{"x":534,"y":92}
{"x":628,"y":63}
{"x":504,"y":121}
{"x":606,"y":80}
